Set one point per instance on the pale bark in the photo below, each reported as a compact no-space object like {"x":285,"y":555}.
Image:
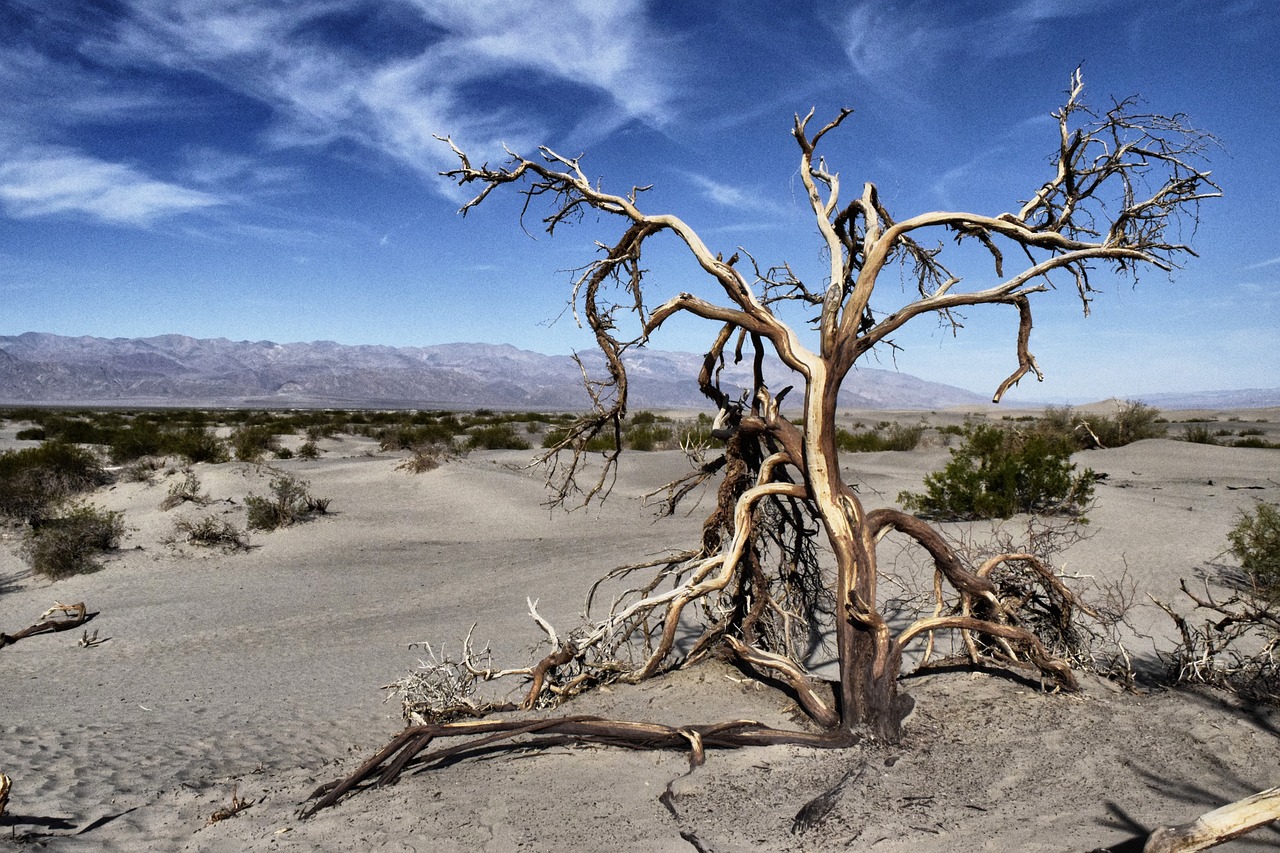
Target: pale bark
{"x":1218,"y":826}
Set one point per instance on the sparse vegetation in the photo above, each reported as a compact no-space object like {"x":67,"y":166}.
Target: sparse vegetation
{"x":210,"y":532}
{"x":1199,"y":434}
{"x":1133,"y":421}
{"x":71,"y":544}
{"x":252,"y":441}
{"x":999,"y":472}
{"x":884,"y":437}
{"x":186,"y":489}
{"x":36,"y":479}
{"x":498,"y":436}
{"x":288,"y":504}
{"x":1237,"y":646}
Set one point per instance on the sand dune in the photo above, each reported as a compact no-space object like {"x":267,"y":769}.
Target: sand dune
{"x":260,"y":673}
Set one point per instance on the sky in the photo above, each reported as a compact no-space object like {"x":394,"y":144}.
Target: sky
{"x":261,"y":170}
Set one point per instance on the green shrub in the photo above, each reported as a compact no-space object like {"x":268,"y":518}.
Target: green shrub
{"x":197,"y":444}
{"x":890,"y":437}
{"x":35,"y":479}
{"x":308,"y":450}
{"x":1255,"y":542}
{"x":647,"y":436}
{"x":61,"y":547}
{"x":31,"y":434}
{"x":1199,"y":434}
{"x":1133,"y":421}
{"x":141,"y":438}
{"x":497,"y":437}
{"x":405,"y":437}
{"x":997,"y":473}
{"x":251,"y":441}
{"x":1255,"y":442}
{"x":288,"y":504}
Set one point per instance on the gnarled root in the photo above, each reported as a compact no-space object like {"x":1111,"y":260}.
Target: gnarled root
{"x":407,"y":748}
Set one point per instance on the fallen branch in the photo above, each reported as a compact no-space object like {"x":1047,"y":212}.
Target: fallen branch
{"x":74,"y":615}
{"x":1218,"y":826}
{"x":407,"y":748}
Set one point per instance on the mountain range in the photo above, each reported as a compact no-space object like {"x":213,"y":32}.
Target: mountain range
{"x":175,"y":370}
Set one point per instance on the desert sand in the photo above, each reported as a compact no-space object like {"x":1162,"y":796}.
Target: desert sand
{"x":260,"y":675}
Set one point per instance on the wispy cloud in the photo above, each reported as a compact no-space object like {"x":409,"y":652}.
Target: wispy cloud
{"x":1263,"y":264}
{"x":727,"y":195}
{"x":54,"y":181}
{"x":319,"y":88}
{"x":901,"y":45}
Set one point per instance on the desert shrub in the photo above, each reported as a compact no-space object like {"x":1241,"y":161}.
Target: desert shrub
{"x":885,"y":437}
{"x":1236,"y":645}
{"x":308,"y":450}
{"x":251,"y":441}
{"x":424,"y":459}
{"x":141,"y":470}
{"x":601,"y":442}
{"x":1133,"y":421}
{"x":69,"y":545}
{"x":497,"y":437}
{"x":288,"y":504}
{"x":184,"y":490}
{"x":1199,"y":434}
{"x":197,"y":444}
{"x":210,"y":532}
{"x":997,"y":473}
{"x":35,"y":479}
{"x":407,"y":437}
{"x":76,"y":430}
{"x":1255,"y":442}
{"x":141,"y":438}
{"x":647,"y":436}
{"x":1255,"y":542}
{"x":32,"y":434}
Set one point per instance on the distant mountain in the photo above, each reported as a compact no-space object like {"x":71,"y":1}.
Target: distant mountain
{"x":1249,"y":398}
{"x":174,"y":370}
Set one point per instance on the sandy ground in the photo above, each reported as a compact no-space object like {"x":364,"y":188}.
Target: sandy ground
{"x":259,"y":674}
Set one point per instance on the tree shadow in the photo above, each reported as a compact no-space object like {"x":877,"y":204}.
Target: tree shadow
{"x":1201,"y":796}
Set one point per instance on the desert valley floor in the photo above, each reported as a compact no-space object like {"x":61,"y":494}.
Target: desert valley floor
{"x":260,"y":675}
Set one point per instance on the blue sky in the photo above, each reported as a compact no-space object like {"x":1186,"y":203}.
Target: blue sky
{"x":267,"y":170}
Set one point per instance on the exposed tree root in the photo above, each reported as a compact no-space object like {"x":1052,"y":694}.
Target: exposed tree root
{"x":407,"y":748}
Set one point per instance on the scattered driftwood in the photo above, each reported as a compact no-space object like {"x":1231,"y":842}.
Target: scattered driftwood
{"x":1218,"y":826}
{"x":73,"y":616}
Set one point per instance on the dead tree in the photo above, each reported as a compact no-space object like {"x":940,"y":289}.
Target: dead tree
{"x":1121,"y":183}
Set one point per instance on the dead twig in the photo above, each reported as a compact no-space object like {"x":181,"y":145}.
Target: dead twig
{"x":237,"y":805}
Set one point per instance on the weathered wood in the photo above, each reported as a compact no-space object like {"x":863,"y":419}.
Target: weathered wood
{"x":1218,"y":826}
{"x":75,"y":616}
